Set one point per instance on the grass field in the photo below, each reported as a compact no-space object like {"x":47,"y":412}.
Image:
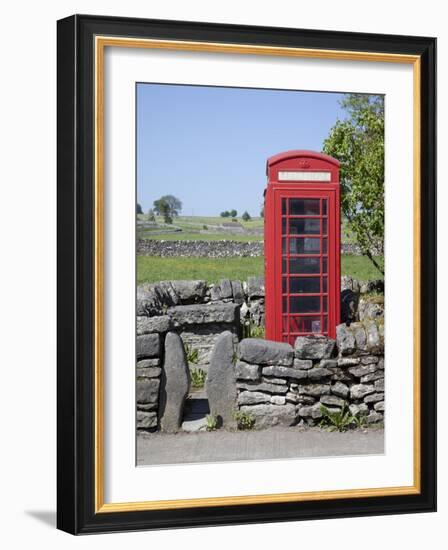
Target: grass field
{"x":152,"y":269}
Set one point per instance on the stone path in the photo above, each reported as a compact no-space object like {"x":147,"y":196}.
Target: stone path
{"x":274,"y":443}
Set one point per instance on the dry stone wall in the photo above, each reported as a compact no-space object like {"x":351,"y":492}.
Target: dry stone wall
{"x":281,"y":385}
{"x":273,"y":382}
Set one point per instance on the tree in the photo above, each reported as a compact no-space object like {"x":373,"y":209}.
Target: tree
{"x":358,"y":143}
{"x":233,"y":213}
{"x":262,"y":212}
{"x":167,"y":206}
{"x":246,"y":216}
{"x":225,"y":214}
{"x":151,"y":216}
{"x":139,"y":209}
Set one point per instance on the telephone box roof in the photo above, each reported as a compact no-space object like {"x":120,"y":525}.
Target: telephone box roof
{"x":298,"y":154}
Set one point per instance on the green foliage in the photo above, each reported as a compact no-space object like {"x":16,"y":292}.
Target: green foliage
{"x":225,"y":214}
{"x":139,"y":209}
{"x":244,"y":420}
{"x":205,"y":227}
{"x":167,"y":206}
{"x":151,"y":215}
{"x":198,"y":377}
{"x":358,"y":143}
{"x":192,"y":354}
{"x":246,"y":216}
{"x":340,"y":420}
{"x":233,"y":213}
{"x":251,"y":330}
{"x":212,"y":422}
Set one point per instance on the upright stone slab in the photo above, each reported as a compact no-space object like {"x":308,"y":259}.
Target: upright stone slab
{"x":175,"y":384}
{"x":221,"y":381}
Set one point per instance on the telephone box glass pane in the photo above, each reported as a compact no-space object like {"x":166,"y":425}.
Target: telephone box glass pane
{"x":325,"y":323}
{"x":304,"y":265}
{"x":324,"y":226}
{"x":324,"y":207}
{"x":307,"y":245}
{"x":325,"y":304}
{"x":284,"y":265}
{"x":324,"y":284}
{"x":284,"y":285}
{"x":283,"y":226}
{"x":284,"y":245}
{"x":304,"y":304}
{"x":310,"y":323}
{"x":304,"y":207}
{"x":324,"y":246}
{"x":324,"y":265}
{"x":284,"y":207}
{"x":304,"y":285}
{"x":304,"y":226}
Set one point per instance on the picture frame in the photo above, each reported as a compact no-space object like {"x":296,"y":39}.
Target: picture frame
{"x":82,"y":42}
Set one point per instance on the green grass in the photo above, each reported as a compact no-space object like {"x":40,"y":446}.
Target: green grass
{"x":152,"y":269}
{"x":359,"y":267}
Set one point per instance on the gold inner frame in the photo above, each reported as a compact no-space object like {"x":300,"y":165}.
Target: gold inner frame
{"x":101,"y":42}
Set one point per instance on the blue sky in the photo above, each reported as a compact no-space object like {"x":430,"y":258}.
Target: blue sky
{"x":208,"y":146}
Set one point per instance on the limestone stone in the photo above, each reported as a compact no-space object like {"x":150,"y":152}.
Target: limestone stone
{"x":318,"y":373}
{"x":374,"y":397}
{"x":314,"y":390}
{"x":237,"y":292}
{"x":146,"y":363}
{"x":300,"y":399}
{"x":372,"y":377}
{"x":263,"y":387}
{"x":189,"y":291}
{"x":363,"y":370}
{"x":369,"y":359}
{"x":328,"y":363}
{"x":266,"y":352}
{"x":226,"y":288}
{"x":175,"y":384}
{"x":198,"y":314}
{"x":255,"y":287}
{"x":373,"y":417}
{"x":340,"y":389}
{"x":358,"y":409}
{"x":246,"y":371}
{"x":286,"y":372}
{"x":304,"y":364}
{"x":332,"y":401}
{"x":379,"y":406}
{"x":221,"y":381}
{"x":360,"y":335}
{"x":345,"y":340}
{"x":147,"y":390}
{"x":271,"y":380}
{"x":314,"y":347}
{"x":348,"y":361}
{"x":271,"y":415}
{"x":253,"y":398}
{"x":341,"y":375}
{"x":146,"y":420}
{"x":374,"y":342}
{"x":359,"y":391}
{"x":379,"y":385}
{"x":215,"y":293}
{"x":313,"y":411}
{"x":148,"y":372}
{"x":278,"y":400}
{"x":147,"y":325}
{"x":148,"y":345}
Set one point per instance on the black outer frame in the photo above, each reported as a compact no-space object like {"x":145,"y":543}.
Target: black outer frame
{"x":75,"y":225}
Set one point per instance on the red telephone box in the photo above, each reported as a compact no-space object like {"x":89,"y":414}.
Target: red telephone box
{"x":302,"y":245}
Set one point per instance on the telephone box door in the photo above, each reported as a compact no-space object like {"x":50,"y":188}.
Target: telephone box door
{"x":308,"y":266}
